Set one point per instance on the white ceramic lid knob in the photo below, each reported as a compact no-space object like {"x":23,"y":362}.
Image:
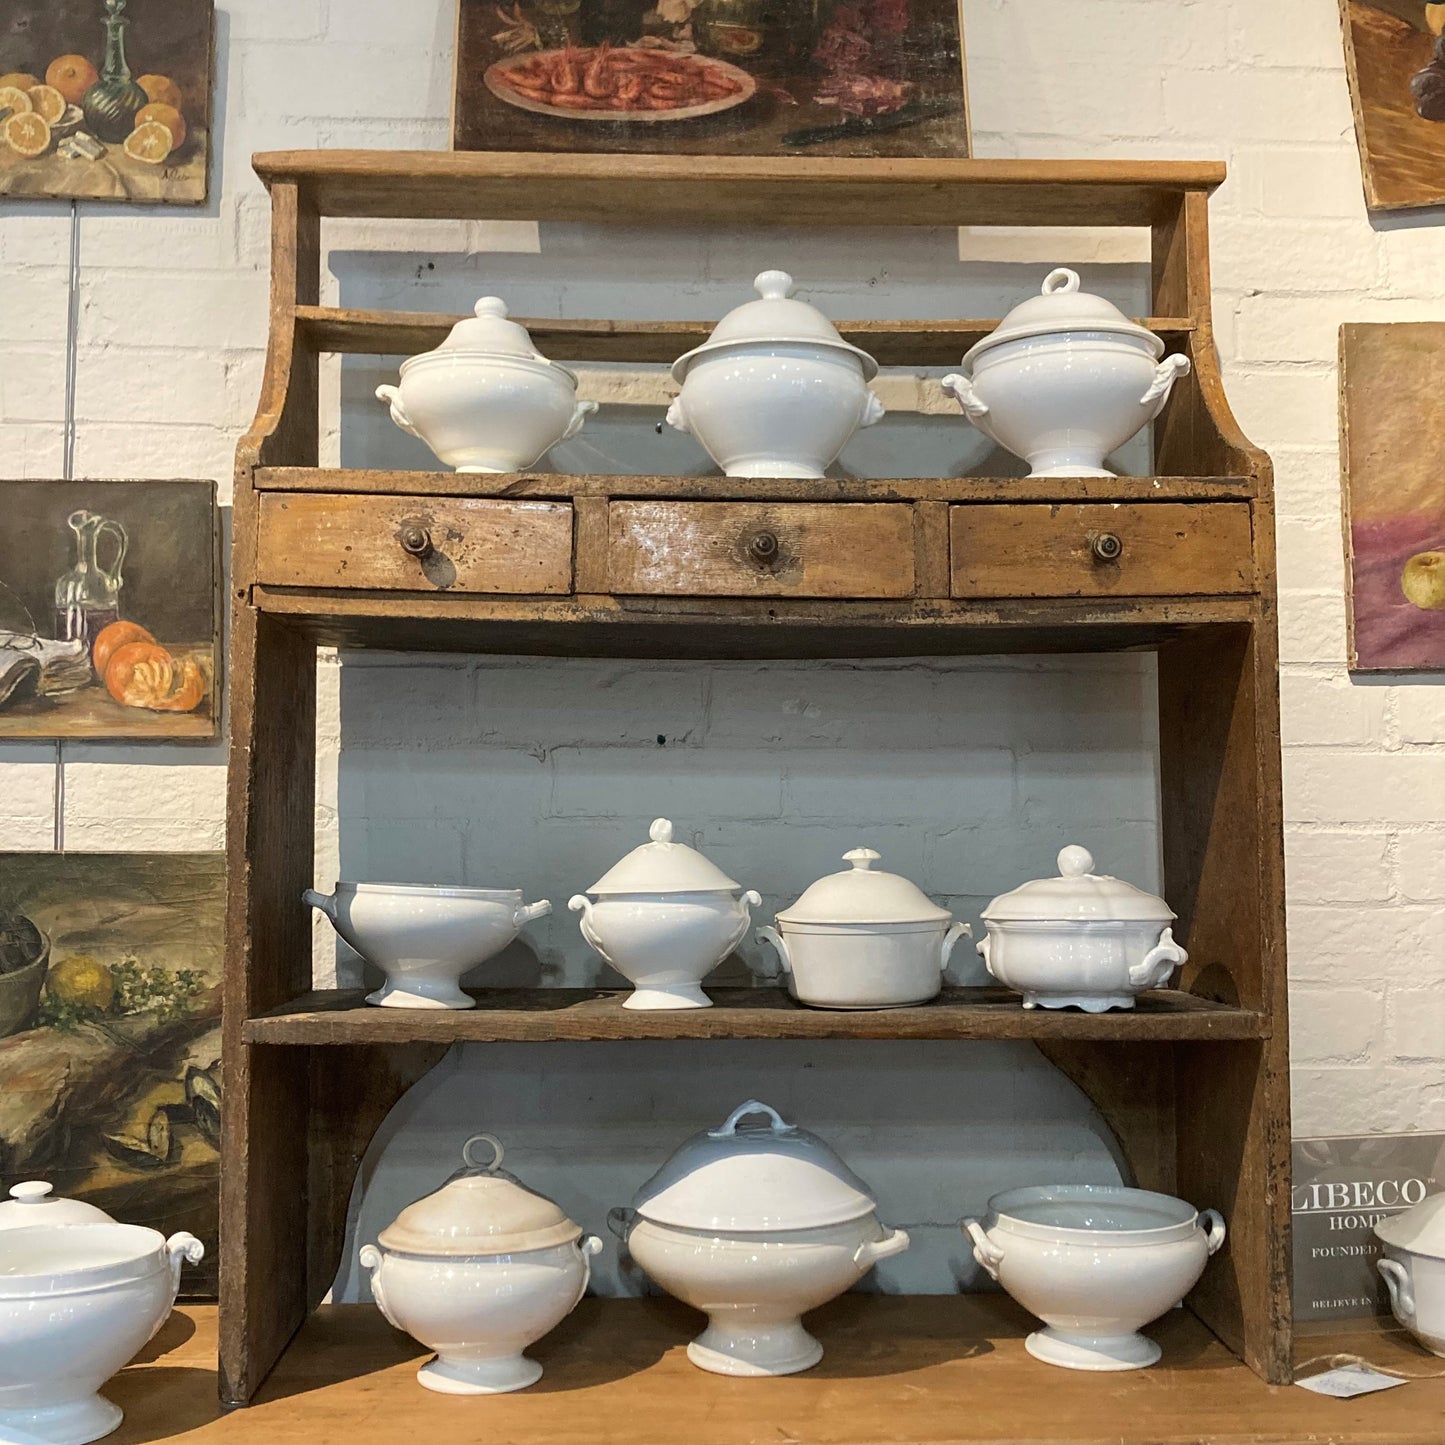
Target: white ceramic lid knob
{"x":1075,"y":862}
{"x":661,"y":830}
{"x":773,"y":285}
{"x":861,"y":858}
{"x":495,"y":306}
{"x":31,"y":1192}
{"x":1061,"y":280}
{"x":472,"y":1162}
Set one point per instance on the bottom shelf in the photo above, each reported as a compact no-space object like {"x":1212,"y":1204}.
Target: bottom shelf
{"x":936,"y":1370}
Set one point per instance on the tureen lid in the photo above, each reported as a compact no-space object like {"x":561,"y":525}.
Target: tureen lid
{"x":33,"y":1203}
{"x":481,"y":1209}
{"x":487,"y":332}
{"x":1061,"y":306}
{"x":861,"y":895}
{"x":1078,"y":893}
{"x":776,"y":316}
{"x":663,"y":866}
{"x":753,"y":1172}
{"x":1420,"y":1229}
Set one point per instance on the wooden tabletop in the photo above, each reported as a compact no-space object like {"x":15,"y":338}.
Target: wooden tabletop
{"x":897,"y":1371}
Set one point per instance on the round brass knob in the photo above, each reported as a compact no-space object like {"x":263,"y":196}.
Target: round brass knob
{"x":1107,"y":547}
{"x":763,"y":548}
{"x":415,"y":539}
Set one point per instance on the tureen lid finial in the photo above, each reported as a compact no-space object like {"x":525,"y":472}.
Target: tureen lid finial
{"x":1075,"y":862}
{"x":472,"y":1162}
{"x":495,"y":306}
{"x":1060,"y":280}
{"x":661,"y":830}
{"x":773,"y":285}
{"x":31,"y":1192}
{"x":861,"y":858}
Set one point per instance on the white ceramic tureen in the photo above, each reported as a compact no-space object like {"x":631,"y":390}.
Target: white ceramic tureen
{"x":755,"y":1223}
{"x":478,"y":1271}
{"x":424,"y":939}
{"x":1413,"y":1269}
{"x":486,"y":400}
{"x":774,"y":391}
{"x":1096,"y":1263}
{"x":864,"y":939}
{"x":1081,"y":940}
{"x":79,"y":1295}
{"x":664,"y":918}
{"x":1065,"y":379}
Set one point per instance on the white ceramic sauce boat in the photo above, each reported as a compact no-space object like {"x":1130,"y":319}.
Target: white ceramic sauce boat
{"x":76,"y":1303}
{"x":774,"y":391}
{"x":1413,"y":1268}
{"x":422,"y":938}
{"x":1065,"y":379}
{"x":486,"y":400}
{"x":1096,"y":1263}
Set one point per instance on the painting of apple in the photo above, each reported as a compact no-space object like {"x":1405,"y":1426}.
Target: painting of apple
{"x":1423,"y":580}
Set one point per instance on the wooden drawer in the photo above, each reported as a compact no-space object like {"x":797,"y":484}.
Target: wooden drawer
{"x":414,"y":544}
{"x":1152,"y":549}
{"x":747,"y":549}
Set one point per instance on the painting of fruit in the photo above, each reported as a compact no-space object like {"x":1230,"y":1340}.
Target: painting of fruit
{"x":1392,"y":437}
{"x":106,"y":99}
{"x":110,"y":1081}
{"x":108,"y":610}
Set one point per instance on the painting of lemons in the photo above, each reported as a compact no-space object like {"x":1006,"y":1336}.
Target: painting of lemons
{"x":106,"y":99}
{"x":110,"y":1037}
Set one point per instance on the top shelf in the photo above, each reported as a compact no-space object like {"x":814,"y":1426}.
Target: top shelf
{"x":664,"y":190}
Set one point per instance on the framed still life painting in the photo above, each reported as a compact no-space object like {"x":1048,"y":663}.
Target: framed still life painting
{"x":109,"y":611}
{"x":711,"y":77}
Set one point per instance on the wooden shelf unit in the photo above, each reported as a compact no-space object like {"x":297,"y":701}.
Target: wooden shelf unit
{"x":1194,"y":1083}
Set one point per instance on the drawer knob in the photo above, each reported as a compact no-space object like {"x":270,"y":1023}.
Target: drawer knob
{"x":763,"y":548}
{"x":415,"y":539}
{"x":1107,"y":547}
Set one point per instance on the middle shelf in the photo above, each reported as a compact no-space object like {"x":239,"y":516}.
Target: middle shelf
{"x":536,"y":1015}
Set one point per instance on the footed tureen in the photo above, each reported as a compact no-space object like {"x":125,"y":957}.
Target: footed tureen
{"x":1413,"y":1268}
{"x":1065,"y":379}
{"x":486,"y":400}
{"x":774,"y":391}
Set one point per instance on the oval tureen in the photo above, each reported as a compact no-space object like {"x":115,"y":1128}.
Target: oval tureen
{"x":863,"y":938}
{"x":774,"y":391}
{"x":477,"y":1271}
{"x":664,"y":918}
{"x":1080,"y":940}
{"x":1065,"y":379}
{"x":1413,"y":1268}
{"x":486,"y":400}
{"x":755,"y":1222}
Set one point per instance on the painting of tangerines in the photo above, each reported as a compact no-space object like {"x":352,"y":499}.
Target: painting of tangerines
{"x":105,"y":99}
{"x":711,"y":77}
{"x":108,"y":610}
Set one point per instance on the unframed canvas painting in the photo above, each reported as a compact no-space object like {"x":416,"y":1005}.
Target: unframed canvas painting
{"x":711,"y":77}
{"x":110,"y":1039}
{"x":106,"y":99}
{"x":108,"y":610}
{"x":1392,"y":450}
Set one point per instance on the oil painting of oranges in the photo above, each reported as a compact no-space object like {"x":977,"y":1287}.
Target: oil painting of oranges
{"x":106,"y":99}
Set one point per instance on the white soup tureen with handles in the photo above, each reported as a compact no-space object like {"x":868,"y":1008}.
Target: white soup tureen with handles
{"x":1413,"y":1268}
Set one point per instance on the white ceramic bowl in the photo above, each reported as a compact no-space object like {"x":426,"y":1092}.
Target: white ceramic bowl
{"x":424,"y":939}
{"x":1096,"y":1263}
{"x":1413,"y":1268}
{"x":76,"y":1303}
{"x":480,"y":1313}
{"x":754,"y":1288}
{"x":864,"y":965}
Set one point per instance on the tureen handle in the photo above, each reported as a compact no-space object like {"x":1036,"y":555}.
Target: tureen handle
{"x":392,"y":396}
{"x":371,"y":1258}
{"x":729,"y":1126}
{"x":960,"y":388}
{"x":531,"y":911}
{"x":985,"y":1251}
{"x":872,"y":1250}
{"x":1165,"y":375}
{"x":580,"y":413}
{"x":1402,"y":1297}
{"x":1153,"y":970}
{"x":182,"y":1248}
{"x":1212,"y":1222}
{"x":676,"y":416}
{"x":326,"y":902}
{"x":982,"y":949}
{"x":873,"y":411}
{"x":775,"y":939}
{"x":959,"y":930}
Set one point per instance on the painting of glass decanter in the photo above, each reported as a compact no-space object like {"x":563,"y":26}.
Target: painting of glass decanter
{"x":87,"y":596}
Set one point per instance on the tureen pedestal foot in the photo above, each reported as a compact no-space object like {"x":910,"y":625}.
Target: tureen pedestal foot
{"x":745,"y":1342}
{"x":421,"y":993}
{"x":496,"y":1376}
{"x":73,"y":1423}
{"x":1050,"y":468}
{"x":671,"y":995}
{"x":765,"y":469}
{"x":1092,"y":1352}
{"x":478,"y":469}
{"x":1094,"y":1003}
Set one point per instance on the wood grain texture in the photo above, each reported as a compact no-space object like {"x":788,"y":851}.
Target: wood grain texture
{"x":309,"y":540}
{"x":712,"y":549}
{"x":1055,"y":551}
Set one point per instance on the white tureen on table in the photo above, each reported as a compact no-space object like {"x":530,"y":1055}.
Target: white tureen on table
{"x":1080,"y":940}
{"x":664,"y":918}
{"x":486,"y":400}
{"x":1065,"y":379}
{"x":477,"y":1271}
{"x":755,"y":1222}
{"x":1413,"y":1268}
{"x":863,"y":939}
{"x":774,"y":391}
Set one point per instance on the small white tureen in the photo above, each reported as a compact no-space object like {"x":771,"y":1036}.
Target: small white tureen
{"x":477,"y":1271}
{"x":775,"y":391}
{"x":1096,"y":1263}
{"x":1413,"y":1269}
{"x":664,"y":918}
{"x":486,"y":400}
{"x":1081,"y":940}
{"x":79,"y":1295}
{"x":423,"y":938}
{"x":864,"y":939}
{"x":755,"y":1223}
{"x":1065,"y":379}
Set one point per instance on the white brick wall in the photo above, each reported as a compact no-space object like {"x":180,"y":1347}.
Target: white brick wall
{"x":998,"y":760}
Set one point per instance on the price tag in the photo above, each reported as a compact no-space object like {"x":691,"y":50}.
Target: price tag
{"x":1350,"y":1380}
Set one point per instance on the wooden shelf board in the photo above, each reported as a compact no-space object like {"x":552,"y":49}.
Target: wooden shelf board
{"x":896,"y":1370}
{"x":340,"y":1016}
{"x":735,"y":191}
